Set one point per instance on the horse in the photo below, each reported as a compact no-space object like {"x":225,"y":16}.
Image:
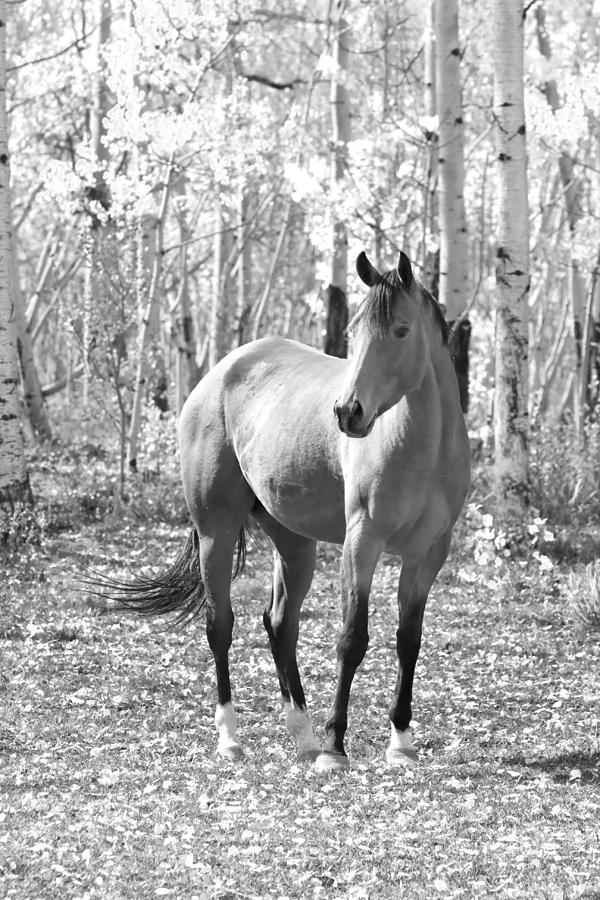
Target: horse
{"x":370,"y":453}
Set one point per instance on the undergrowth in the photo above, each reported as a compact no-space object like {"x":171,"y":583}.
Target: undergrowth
{"x":565,"y":474}
{"x":583,"y":594}
{"x":76,"y":478}
{"x":75,"y":483}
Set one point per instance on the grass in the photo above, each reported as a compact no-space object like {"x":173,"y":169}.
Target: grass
{"x":109,"y":786}
{"x":583,"y":588}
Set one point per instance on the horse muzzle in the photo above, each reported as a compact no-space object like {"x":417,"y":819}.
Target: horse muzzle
{"x":351,"y":419}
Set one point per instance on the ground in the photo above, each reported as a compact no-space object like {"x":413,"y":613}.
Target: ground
{"x":110,"y":787}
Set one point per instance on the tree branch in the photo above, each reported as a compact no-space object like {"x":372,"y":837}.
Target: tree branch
{"x":278,"y":85}
{"x":41,"y":59}
{"x":528,"y":7}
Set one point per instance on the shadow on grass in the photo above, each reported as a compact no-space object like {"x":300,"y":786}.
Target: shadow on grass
{"x":562,"y":767}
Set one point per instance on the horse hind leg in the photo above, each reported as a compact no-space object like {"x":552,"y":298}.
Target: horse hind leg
{"x":216,"y":557}
{"x":294,"y":564}
{"x":415,"y":583}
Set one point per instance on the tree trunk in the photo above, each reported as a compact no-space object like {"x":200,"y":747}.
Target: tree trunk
{"x":14,"y":477}
{"x":97,"y":194}
{"x":32,"y":391}
{"x":147,"y":328}
{"x":572,"y":191}
{"x":100,"y":96}
{"x":266,"y":292}
{"x":219,"y":313}
{"x":336,"y":343}
{"x":431,"y":232}
{"x":454,"y":272}
{"x":149,"y":240}
{"x":511,"y":431}
{"x":242,"y":313}
{"x":186,"y":371}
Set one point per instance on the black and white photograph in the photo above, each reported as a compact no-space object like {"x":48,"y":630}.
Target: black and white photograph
{"x":299,"y":450}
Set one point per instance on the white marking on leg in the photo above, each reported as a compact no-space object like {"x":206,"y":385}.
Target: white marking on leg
{"x":225,"y":720}
{"x":299,"y":726}
{"x":401,"y":740}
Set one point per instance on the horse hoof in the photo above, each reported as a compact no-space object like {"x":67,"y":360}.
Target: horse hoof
{"x":327,"y":761}
{"x":309,"y":756}
{"x":232,"y":752}
{"x":401,"y":758}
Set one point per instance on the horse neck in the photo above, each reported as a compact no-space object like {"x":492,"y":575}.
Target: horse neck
{"x":439,"y":379}
{"x":443,"y":369}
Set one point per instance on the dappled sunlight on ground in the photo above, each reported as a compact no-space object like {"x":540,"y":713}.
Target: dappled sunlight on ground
{"x":111,"y":787}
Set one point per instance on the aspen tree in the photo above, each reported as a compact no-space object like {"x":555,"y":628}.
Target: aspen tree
{"x":219,"y":313}
{"x":147,"y":324}
{"x":431,"y":231}
{"x":573,"y":196}
{"x":186,"y":370}
{"x":219,"y":318}
{"x":242,"y":311}
{"x":454,"y":272}
{"x":97,"y":193}
{"x":335,"y":293}
{"x":511,"y":431}
{"x":14,"y":477}
{"x":32,"y":390}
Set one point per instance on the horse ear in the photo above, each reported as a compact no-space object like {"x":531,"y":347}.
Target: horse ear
{"x":405,"y":270}
{"x":366,"y":272}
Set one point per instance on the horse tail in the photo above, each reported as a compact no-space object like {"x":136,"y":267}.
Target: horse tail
{"x":179,"y":589}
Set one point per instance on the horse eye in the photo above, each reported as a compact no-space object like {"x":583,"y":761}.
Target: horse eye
{"x":401,"y":331}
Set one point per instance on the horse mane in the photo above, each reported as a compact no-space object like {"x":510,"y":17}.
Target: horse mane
{"x":377,"y":309}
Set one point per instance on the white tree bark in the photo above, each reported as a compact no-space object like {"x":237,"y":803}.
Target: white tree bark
{"x":186,"y":370}
{"x":572,"y":191}
{"x":454,"y":266}
{"x":431,"y":232}
{"x":219,"y":314}
{"x":336,"y":291}
{"x":242,"y":312}
{"x":14,"y":478}
{"x":511,"y":430}
{"x":147,"y":326}
{"x":32,"y":391}
{"x":100,"y":101}
{"x":266,"y":292}
{"x":97,"y":192}
{"x":454,"y":273}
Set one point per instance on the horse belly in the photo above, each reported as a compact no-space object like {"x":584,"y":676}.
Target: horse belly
{"x":300,"y":491}
{"x":308,"y":514}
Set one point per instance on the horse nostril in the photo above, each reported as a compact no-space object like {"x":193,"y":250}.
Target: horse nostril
{"x":356,"y":411}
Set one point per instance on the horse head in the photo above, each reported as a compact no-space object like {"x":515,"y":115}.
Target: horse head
{"x":391,"y":346}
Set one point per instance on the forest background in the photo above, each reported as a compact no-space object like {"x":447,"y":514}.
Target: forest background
{"x":187,"y":179}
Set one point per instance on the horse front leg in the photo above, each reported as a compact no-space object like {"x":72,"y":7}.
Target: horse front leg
{"x":415,"y":582}
{"x":359,"y":558}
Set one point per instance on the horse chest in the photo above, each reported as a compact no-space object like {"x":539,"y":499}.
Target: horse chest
{"x":392,"y":480}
